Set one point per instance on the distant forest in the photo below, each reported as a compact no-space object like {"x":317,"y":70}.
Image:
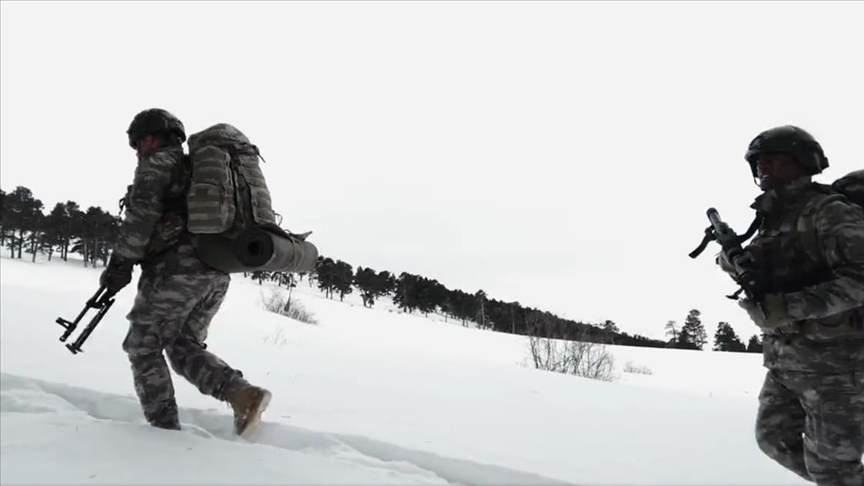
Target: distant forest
{"x":91,"y":233}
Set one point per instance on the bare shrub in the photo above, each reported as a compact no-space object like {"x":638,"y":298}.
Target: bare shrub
{"x":629,"y":367}
{"x":578,"y":354}
{"x":278,"y":303}
{"x":277,"y":339}
{"x":580,"y":358}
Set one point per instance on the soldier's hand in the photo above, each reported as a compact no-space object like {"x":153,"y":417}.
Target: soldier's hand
{"x":771,"y":313}
{"x":116,"y":275}
{"x":742,"y":262}
{"x":724,"y":263}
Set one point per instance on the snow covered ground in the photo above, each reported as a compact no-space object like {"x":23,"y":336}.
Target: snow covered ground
{"x":366,"y":396}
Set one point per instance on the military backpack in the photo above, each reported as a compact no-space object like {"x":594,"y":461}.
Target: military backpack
{"x":227,"y":191}
{"x":849,"y":187}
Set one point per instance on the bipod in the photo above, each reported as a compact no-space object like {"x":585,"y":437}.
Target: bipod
{"x":99,"y":301}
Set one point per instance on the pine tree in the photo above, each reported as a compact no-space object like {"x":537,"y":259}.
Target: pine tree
{"x":384,"y":284}
{"x":725,"y":339}
{"x":3,"y":218}
{"x":325,"y":271}
{"x":462,"y":305}
{"x":343,"y":279}
{"x":685,"y":340}
{"x":405,"y":293}
{"x":696,"y":337}
{"x":20,"y":210}
{"x":54,"y":231}
{"x":74,"y":227}
{"x":364,"y":279}
{"x":755,"y":344}
{"x":672,"y":332}
{"x":480,"y":298}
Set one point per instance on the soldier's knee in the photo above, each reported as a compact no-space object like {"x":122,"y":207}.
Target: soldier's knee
{"x":766,"y":441}
{"x":141,"y":342}
{"x":770,"y":442}
{"x":181,"y":350}
{"x":143,"y":354}
{"x":183,"y":346}
{"x":175,"y":357}
{"x":139,"y":355}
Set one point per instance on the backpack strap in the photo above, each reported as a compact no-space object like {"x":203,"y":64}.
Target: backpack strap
{"x":806,"y":229}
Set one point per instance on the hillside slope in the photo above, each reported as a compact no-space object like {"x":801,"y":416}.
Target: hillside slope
{"x":366,"y":396}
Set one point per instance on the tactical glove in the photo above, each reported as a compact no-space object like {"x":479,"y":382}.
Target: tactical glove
{"x":724,"y":263}
{"x":742,"y":263}
{"x":770,"y":314}
{"x":116,"y":275}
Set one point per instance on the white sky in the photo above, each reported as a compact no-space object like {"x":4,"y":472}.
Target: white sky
{"x":559,"y":154}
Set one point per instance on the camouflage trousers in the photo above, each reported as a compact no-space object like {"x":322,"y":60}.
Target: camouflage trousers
{"x":172,"y":313}
{"x":813,"y":425}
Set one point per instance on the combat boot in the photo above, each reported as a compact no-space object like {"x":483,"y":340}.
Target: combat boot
{"x":163,"y":415}
{"x":167,"y":425}
{"x":248,"y":402}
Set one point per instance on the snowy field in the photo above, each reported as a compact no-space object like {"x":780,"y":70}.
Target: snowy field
{"x":366,"y":396}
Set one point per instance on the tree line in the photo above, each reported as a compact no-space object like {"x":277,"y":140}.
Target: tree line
{"x":692,"y":335}
{"x":67,"y":228}
{"x":417,"y":293}
{"x":92,"y":232}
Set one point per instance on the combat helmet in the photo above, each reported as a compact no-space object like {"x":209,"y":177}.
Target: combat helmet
{"x":155,"y":121}
{"x":791,"y":140}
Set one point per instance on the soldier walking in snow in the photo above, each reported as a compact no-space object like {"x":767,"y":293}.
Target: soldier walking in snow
{"x":809,"y":258}
{"x":178,"y":294}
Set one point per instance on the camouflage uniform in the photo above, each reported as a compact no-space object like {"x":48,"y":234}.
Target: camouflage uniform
{"x":810,"y":250}
{"x":178,"y":295}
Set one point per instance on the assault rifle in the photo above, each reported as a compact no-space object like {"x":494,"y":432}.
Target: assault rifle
{"x":720,"y":232}
{"x":99,"y":301}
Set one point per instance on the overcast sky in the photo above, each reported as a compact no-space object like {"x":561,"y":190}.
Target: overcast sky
{"x":558,"y":154}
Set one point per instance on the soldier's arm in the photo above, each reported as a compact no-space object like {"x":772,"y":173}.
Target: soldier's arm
{"x":147,"y":201}
{"x":840,"y":230}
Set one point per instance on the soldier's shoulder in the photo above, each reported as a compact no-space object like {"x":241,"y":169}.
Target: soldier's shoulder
{"x":164,"y":159}
{"x":820,"y":196}
{"x":834,"y":209}
{"x":168,"y":155}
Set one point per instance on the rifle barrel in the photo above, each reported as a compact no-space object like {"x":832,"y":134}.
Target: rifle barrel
{"x":714,"y":217}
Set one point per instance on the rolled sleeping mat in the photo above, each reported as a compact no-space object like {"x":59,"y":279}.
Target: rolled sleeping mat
{"x":218,"y":253}
{"x":258,"y":249}
{"x":272,"y":249}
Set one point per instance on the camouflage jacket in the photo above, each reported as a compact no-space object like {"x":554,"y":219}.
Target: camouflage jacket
{"x":810,"y":249}
{"x":153,"y":230}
